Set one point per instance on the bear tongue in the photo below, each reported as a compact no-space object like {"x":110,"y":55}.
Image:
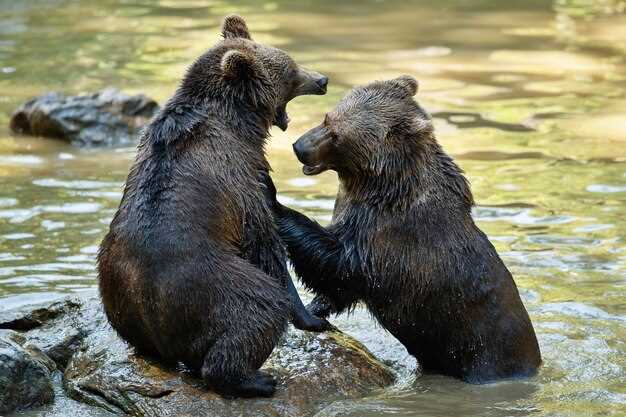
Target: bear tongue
{"x":281,"y":119}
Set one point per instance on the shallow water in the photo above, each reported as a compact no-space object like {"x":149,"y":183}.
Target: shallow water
{"x":527,"y":95}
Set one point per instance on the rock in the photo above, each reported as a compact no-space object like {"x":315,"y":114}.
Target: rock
{"x":63,"y":406}
{"x":25,"y":374}
{"x":102,"y":375}
{"x":29,"y":317}
{"x":105,"y":118}
{"x":58,"y":340}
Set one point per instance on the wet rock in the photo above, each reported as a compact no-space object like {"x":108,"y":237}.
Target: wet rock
{"x":57,"y":339}
{"x":105,"y":118}
{"x":25,"y":374}
{"x":60,"y":346}
{"x":102,"y":374}
{"x":63,"y":406}
{"x":30,"y":317}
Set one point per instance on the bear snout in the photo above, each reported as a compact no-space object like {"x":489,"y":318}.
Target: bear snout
{"x":311,"y":82}
{"x":323,"y":83}
{"x":307,"y":148}
{"x":312,"y":149}
{"x":301,"y":152}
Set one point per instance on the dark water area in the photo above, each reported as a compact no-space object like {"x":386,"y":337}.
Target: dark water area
{"x":528,"y":96}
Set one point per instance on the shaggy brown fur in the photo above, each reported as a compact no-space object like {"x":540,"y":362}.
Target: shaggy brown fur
{"x":192,"y":268}
{"x":403,"y":241}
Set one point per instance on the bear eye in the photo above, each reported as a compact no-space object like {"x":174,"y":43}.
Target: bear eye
{"x":326,"y":124}
{"x":329,"y":128}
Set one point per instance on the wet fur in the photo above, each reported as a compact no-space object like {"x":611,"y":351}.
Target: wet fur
{"x":192,"y":268}
{"x":403,"y":242}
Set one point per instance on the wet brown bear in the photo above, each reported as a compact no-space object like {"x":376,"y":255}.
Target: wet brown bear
{"x":192,"y":268}
{"x":403,"y":241}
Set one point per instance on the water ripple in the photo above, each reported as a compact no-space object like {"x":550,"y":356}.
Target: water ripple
{"x":602,"y":188}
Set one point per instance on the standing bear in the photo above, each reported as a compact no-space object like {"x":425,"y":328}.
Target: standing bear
{"x":193,"y":269}
{"x":402,"y":240}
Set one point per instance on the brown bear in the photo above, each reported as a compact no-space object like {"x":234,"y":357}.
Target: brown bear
{"x":402,"y":240}
{"x":192,"y":269}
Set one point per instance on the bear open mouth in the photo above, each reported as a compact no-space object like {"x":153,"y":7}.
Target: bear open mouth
{"x":281,"y":118}
{"x":314,"y":169}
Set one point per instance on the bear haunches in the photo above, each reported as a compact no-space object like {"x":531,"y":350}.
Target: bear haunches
{"x":402,"y":240}
{"x":192,"y":268}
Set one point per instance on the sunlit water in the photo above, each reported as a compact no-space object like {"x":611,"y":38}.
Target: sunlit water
{"x":527,"y":95}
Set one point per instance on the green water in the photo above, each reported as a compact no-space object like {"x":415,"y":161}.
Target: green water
{"x":527,"y":95}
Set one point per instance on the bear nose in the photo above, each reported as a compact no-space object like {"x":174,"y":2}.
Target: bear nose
{"x":323,"y":82}
{"x":300,"y":150}
{"x":297,"y":148}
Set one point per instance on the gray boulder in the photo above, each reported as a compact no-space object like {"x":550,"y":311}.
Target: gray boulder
{"x":105,"y":118}
{"x":25,"y":374}
{"x":100,"y":375}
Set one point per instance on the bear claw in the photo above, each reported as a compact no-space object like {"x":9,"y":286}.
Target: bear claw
{"x":313,"y":324}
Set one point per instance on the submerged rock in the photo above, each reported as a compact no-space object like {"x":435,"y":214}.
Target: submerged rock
{"x":101,"y":375}
{"x":105,"y":118}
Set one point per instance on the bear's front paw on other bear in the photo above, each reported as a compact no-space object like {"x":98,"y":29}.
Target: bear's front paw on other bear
{"x":320,"y":307}
{"x":312,"y":323}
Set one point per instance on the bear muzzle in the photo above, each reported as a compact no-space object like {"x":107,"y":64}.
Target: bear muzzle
{"x":312,"y":149}
{"x":311,"y":83}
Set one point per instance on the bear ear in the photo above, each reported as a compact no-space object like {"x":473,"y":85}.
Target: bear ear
{"x":234,"y":26}
{"x":236,"y":64}
{"x":407,"y":82}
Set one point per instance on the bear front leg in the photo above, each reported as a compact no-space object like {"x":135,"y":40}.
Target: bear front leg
{"x":303,"y":319}
{"x":323,"y":305}
{"x":271,"y":259}
{"x":314,"y":251}
{"x":317,"y":256}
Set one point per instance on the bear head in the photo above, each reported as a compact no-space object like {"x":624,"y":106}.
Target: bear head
{"x":371,"y":131}
{"x":251,"y":76}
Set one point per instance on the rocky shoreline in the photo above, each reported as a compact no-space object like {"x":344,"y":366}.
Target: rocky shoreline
{"x":63,"y":358}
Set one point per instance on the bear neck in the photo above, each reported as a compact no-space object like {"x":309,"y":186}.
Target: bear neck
{"x":186,"y":113}
{"x":424,"y":177}
{"x":251,"y":125}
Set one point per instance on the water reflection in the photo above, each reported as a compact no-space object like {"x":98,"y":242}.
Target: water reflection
{"x":465,"y":120}
{"x":528,"y":96}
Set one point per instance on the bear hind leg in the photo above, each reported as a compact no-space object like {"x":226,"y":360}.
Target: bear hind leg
{"x":232,"y":371}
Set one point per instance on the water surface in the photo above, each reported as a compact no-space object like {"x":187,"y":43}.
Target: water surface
{"x":527,"y":95}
